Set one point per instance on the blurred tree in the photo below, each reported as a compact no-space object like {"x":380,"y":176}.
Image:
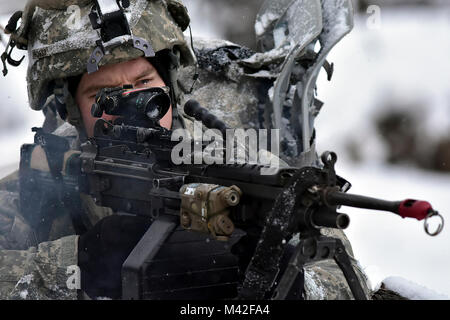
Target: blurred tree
{"x":441,"y":156}
{"x":237,"y":18}
{"x":399,"y":132}
{"x":403,"y":135}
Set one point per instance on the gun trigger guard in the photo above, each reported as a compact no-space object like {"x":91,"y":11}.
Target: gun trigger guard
{"x":439,"y":228}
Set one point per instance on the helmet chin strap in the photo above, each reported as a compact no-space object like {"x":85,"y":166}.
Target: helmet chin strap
{"x":68,"y":109}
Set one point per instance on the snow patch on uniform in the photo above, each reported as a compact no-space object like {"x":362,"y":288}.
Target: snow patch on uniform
{"x":267,"y":58}
{"x":25,"y":279}
{"x":336,"y":21}
{"x":264,"y":21}
{"x":134,"y":11}
{"x":48,"y":23}
{"x":23,"y":294}
{"x":315,"y":291}
{"x":411,"y":290}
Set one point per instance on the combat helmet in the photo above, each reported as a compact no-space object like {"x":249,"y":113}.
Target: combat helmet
{"x":67,"y":38}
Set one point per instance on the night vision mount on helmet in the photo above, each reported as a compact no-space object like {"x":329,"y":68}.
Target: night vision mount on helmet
{"x":109,"y":17}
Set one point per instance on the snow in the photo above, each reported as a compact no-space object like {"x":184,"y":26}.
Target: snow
{"x":134,"y":10}
{"x":411,"y":290}
{"x":25,"y":279}
{"x":336,"y":16}
{"x":264,"y":21}
{"x":23,"y":294}
{"x":274,"y":54}
{"x":78,"y":40}
{"x":315,"y":290}
{"x":270,"y":93}
{"x":303,"y":23}
{"x":48,"y":23}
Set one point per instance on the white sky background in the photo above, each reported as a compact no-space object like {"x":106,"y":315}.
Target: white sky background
{"x":407,"y":59}
{"x":16,"y":118}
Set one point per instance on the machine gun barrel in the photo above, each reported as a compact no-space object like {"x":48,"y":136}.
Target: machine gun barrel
{"x":358,"y":201}
{"x":408,"y":208}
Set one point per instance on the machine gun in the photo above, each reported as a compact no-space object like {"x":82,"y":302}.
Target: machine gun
{"x":204,"y":215}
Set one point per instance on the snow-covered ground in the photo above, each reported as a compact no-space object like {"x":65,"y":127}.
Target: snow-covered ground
{"x":405,"y":60}
{"x":411,"y":290}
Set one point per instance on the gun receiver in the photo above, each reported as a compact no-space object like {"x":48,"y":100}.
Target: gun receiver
{"x":130,"y":170}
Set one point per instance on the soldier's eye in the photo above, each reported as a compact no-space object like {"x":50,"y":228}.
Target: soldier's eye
{"x":144,"y":82}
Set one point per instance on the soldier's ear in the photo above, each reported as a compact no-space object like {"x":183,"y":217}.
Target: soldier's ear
{"x":179,"y":13}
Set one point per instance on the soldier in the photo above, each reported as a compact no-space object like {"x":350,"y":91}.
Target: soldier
{"x":42,"y":241}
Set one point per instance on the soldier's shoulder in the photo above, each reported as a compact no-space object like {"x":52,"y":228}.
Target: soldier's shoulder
{"x":222,"y":58}
{"x":225,"y":86}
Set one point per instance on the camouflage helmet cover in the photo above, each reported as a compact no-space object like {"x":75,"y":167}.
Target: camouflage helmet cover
{"x":60,"y":45}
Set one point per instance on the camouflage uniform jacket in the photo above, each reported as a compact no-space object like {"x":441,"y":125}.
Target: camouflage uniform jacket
{"x":31,"y":270}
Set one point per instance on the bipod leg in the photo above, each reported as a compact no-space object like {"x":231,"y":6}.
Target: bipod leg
{"x":310,"y":249}
{"x":317,"y":248}
{"x":343,"y":261}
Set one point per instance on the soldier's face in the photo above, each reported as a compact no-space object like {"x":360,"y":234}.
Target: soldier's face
{"x":140,"y":73}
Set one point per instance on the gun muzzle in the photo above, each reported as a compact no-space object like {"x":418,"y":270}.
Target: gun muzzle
{"x":328,"y":218}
